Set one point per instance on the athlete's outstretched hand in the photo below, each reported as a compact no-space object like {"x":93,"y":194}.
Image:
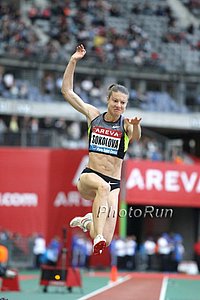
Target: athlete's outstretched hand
{"x":134,"y":121}
{"x":80,"y":52}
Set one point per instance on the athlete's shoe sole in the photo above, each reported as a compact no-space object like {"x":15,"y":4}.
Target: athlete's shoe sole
{"x":80,"y":221}
{"x":99,"y":245}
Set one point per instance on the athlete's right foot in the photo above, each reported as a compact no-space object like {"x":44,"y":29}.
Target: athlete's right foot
{"x":99,"y":244}
{"x":81,"y":222}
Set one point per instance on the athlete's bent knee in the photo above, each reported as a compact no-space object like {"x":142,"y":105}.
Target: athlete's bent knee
{"x":103,"y":189}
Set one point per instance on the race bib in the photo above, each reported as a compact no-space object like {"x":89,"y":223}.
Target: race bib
{"x":105,"y":140}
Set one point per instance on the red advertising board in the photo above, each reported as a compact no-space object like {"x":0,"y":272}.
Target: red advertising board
{"x":162,"y":183}
{"x":38,"y":192}
{"x":38,"y":189}
{"x":23,"y":186}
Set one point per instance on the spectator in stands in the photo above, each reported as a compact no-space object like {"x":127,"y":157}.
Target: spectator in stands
{"x":120,"y":251}
{"x":87,"y":85}
{"x":39,"y":249}
{"x":33,"y":13}
{"x":53,"y":251}
{"x":88,"y":252}
{"x":150,"y":250}
{"x":164,"y":251}
{"x":4,"y":235}
{"x":60,"y":126}
{"x":8,"y":80}
{"x":112,"y":249}
{"x":177,"y":251}
{"x":14,"y":130}
{"x":152,"y":151}
{"x":34,"y":129}
{"x":78,"y":251}
{"x":48,"y":84}
{"x":131,"y":246}
{"x":48,"y":123}
{"x":74,"y":131}
{"x":115,"y":10}
{"x":13,"y":125}
{"x":25,"y":123}
{"x":23,"y":91}
{"x":101,"y":179}
{"x":3,"y":129}
{"x":81,"y":251}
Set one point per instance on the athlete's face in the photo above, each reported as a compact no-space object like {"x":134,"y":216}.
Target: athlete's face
{"x":117,"y":103}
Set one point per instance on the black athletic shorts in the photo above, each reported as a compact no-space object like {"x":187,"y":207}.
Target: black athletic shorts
{"x":114,"y":183}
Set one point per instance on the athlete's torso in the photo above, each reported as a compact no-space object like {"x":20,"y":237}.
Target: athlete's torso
{"x":108,"y":137}
{"x":108,"y":144}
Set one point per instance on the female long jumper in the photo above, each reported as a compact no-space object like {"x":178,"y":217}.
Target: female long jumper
{"x":109,"y":135}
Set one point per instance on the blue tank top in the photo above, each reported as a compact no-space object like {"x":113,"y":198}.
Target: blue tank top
{"x":108,"y":137}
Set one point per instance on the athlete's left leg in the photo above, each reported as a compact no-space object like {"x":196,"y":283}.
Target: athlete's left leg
{"x":110,"y":224}
{"x":111,"y":220}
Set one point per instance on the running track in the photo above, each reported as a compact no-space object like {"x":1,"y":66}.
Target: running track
{"x":137,"y":286}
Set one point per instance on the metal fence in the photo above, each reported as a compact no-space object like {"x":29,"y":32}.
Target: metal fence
{"x":53,"y":139}
{"x":20,"y":252}
{"x":26,"y":138}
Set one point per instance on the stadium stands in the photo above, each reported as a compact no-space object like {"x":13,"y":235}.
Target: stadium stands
{"x":146,"y":45}
{"x":131,"y":35}
{"x":143,"y":45}
{"x":193,"y":6}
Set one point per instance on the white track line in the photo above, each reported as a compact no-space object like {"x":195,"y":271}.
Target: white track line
{"x":107,"y":287}
{"x":163,"y":288}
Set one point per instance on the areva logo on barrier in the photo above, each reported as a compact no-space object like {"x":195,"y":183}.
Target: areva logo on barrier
{"x":164,"y":180}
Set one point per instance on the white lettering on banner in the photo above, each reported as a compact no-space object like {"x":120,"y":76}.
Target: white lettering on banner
{"x":189,"y":183}
{"x":18,"y":199}
{"x":73,"y":198}
{"x":170,"y":180}
{"x":135,"y":179}
{"x":154,"y":179}
{"x":60,"y":200}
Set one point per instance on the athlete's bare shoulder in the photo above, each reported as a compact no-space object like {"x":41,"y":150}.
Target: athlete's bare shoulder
{"x":92,"y":112}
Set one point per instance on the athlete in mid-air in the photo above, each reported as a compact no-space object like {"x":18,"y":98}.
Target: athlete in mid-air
{"x":109,"y":135}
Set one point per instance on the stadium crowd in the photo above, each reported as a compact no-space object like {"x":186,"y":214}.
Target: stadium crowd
{"x":193,"y":6}
{"x":68,"y":23}
{"x":116,"y":34}
{"x":91,"y":89}
{"x":162,"y":253}
{"x":96,"y":24}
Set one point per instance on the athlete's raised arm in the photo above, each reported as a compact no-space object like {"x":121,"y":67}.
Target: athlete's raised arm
{"x":70,"y":96}
{"x":133,"y":128}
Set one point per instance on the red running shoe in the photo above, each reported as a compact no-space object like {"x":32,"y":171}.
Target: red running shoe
{"x":99,"y":244}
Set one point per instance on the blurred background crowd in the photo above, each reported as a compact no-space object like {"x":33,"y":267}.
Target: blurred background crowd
{"x":164,"y":252}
